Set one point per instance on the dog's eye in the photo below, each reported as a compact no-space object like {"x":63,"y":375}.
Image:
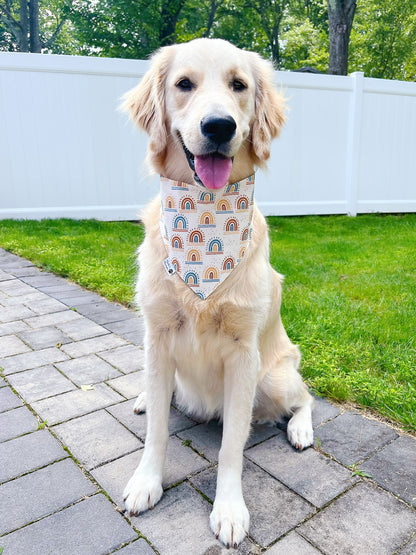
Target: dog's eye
{"x":185,"y":84}
{"x":238,"y":85}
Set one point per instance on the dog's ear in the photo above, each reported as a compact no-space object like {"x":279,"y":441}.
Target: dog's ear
{"x":269,"y":110}
{"x":146,"y":102}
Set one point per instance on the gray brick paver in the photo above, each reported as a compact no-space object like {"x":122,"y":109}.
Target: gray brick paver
{"x":309,"y":473}
{"x":137,"y":422}
{"x":181,"y":461}
{"x":15,"y":287}
{"x":133,"y":337}
{"x":364,"y":520}
{"x":43,"y":279}
{"x":75,"y":403}
{"x":16,"y":422}
{"x":37,"y":322}
{"x":42,"y":492}
{"x":140,"y":547}
{"x":129,"y":385}
{"x":82,"y":328}
{"x":33,"y":359}
{"x":23,"y":299}
{"x":13,"y":327}
{"x":40,"y":383}
{"x":132,"y":326}
{"x":183,"y":509}
{"x":87,"y":369}
{"x":88,"y":528}
{"x":93,"y":345}
{"x":46,"y":306}
{"x":292,"y":544}
{"x":109,"y":316}
{"x":96,"y":438}
{"x":45,"y":337}
{"x":61,"y":291}
{"x":12,"y":313}
{"x":206,"y":438}
{"x":11,"y":345}
{"x":128,"y":358}
{"x":278,"y":488}
{"x":8,"y":399}
{"x":27,"y":453}
{"x":394,"y":468}
{"x":23,"y":271}
{"x":351,"y":437}
{"x":323,"y":411}
{"x":273,"y":508}
{"x":409,"y":548}
{"x":4,"y":276}
{"x":78,"y":298}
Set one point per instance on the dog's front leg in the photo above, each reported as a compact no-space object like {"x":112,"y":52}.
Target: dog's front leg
{"x":230,"y":518}
{"x":144,"y":488}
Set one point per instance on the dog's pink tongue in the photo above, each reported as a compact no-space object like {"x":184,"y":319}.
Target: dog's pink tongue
{"x":213,"y":171}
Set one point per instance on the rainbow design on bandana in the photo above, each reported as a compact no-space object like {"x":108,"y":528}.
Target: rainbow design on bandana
{"x":206,"y":232}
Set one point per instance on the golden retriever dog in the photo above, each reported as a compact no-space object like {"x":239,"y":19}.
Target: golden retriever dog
{"x":211,"y":111}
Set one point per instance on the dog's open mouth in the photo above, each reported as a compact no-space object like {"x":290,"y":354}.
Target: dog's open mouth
{"x":211,"y":170}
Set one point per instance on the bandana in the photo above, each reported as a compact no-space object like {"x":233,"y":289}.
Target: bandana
{"x":206,"y":232}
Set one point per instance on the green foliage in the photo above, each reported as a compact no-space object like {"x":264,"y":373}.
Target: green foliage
{"x":53,"y":16}
{"x":383,"y":39}
{"x":304,"y":45}
{"x":293,"y":33}
{"x":349,"y":296}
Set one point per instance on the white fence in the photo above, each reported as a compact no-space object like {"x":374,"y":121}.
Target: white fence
{"x":349,"y":145}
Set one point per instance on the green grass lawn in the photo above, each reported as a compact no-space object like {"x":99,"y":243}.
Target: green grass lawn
{"x":349,"y":299}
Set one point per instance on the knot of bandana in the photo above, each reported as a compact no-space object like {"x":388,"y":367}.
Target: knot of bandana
{"x":206,"y":232}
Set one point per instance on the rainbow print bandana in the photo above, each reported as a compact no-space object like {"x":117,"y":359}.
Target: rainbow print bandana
{"x":206,"y":232}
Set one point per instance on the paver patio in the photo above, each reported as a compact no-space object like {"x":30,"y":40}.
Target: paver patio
{"x":69,"y":440}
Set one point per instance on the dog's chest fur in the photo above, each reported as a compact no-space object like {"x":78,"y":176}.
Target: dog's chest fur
{"x":200,"y":336}
{"x":200,"y":345}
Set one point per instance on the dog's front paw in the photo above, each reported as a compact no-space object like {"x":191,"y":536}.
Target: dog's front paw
{"x":300,"y":431}
{"x":140,"y":403}
{"x":142,"y":492}
{"x":230,"y":522}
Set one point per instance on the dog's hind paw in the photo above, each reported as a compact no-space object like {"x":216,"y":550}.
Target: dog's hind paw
{"x":230,"y":522}
{"x":142,"y":492}
{"x":140,"y":404}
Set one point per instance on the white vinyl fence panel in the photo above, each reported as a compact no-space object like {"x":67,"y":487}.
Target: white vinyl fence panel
{"x":65,"y":151}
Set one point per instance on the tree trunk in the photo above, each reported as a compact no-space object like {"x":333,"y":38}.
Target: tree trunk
{"x":211,"y":17}
{"x":340,"y":17}
{"x":24,"y":24}
{"x":35,"y":45}
{"x":170,"y":13}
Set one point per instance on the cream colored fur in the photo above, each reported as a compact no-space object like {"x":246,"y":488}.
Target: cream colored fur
{"x":229,"y":355}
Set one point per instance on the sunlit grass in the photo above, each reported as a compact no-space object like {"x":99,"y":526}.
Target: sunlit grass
{"x":349,"y":297}
{"x":98,"y":255}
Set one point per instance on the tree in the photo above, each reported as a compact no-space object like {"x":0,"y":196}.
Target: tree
{"x":169,"y":13}
{"x":340,"y":18}
{"x":20,"y":24}
{"x":125,"y":28}
{"x":304,"y":37}
{"x":271,"y":13}
{"x":383,"y":39}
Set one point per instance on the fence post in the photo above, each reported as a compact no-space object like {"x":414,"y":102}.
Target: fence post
{"x":353,"y":145}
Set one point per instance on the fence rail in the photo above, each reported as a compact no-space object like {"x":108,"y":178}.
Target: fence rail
{"x":65,"y":151}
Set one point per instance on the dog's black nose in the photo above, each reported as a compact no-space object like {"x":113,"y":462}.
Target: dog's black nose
{"x":218,"y":130}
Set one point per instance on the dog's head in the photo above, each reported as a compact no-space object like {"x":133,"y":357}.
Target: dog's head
{"x":207,"y":106}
